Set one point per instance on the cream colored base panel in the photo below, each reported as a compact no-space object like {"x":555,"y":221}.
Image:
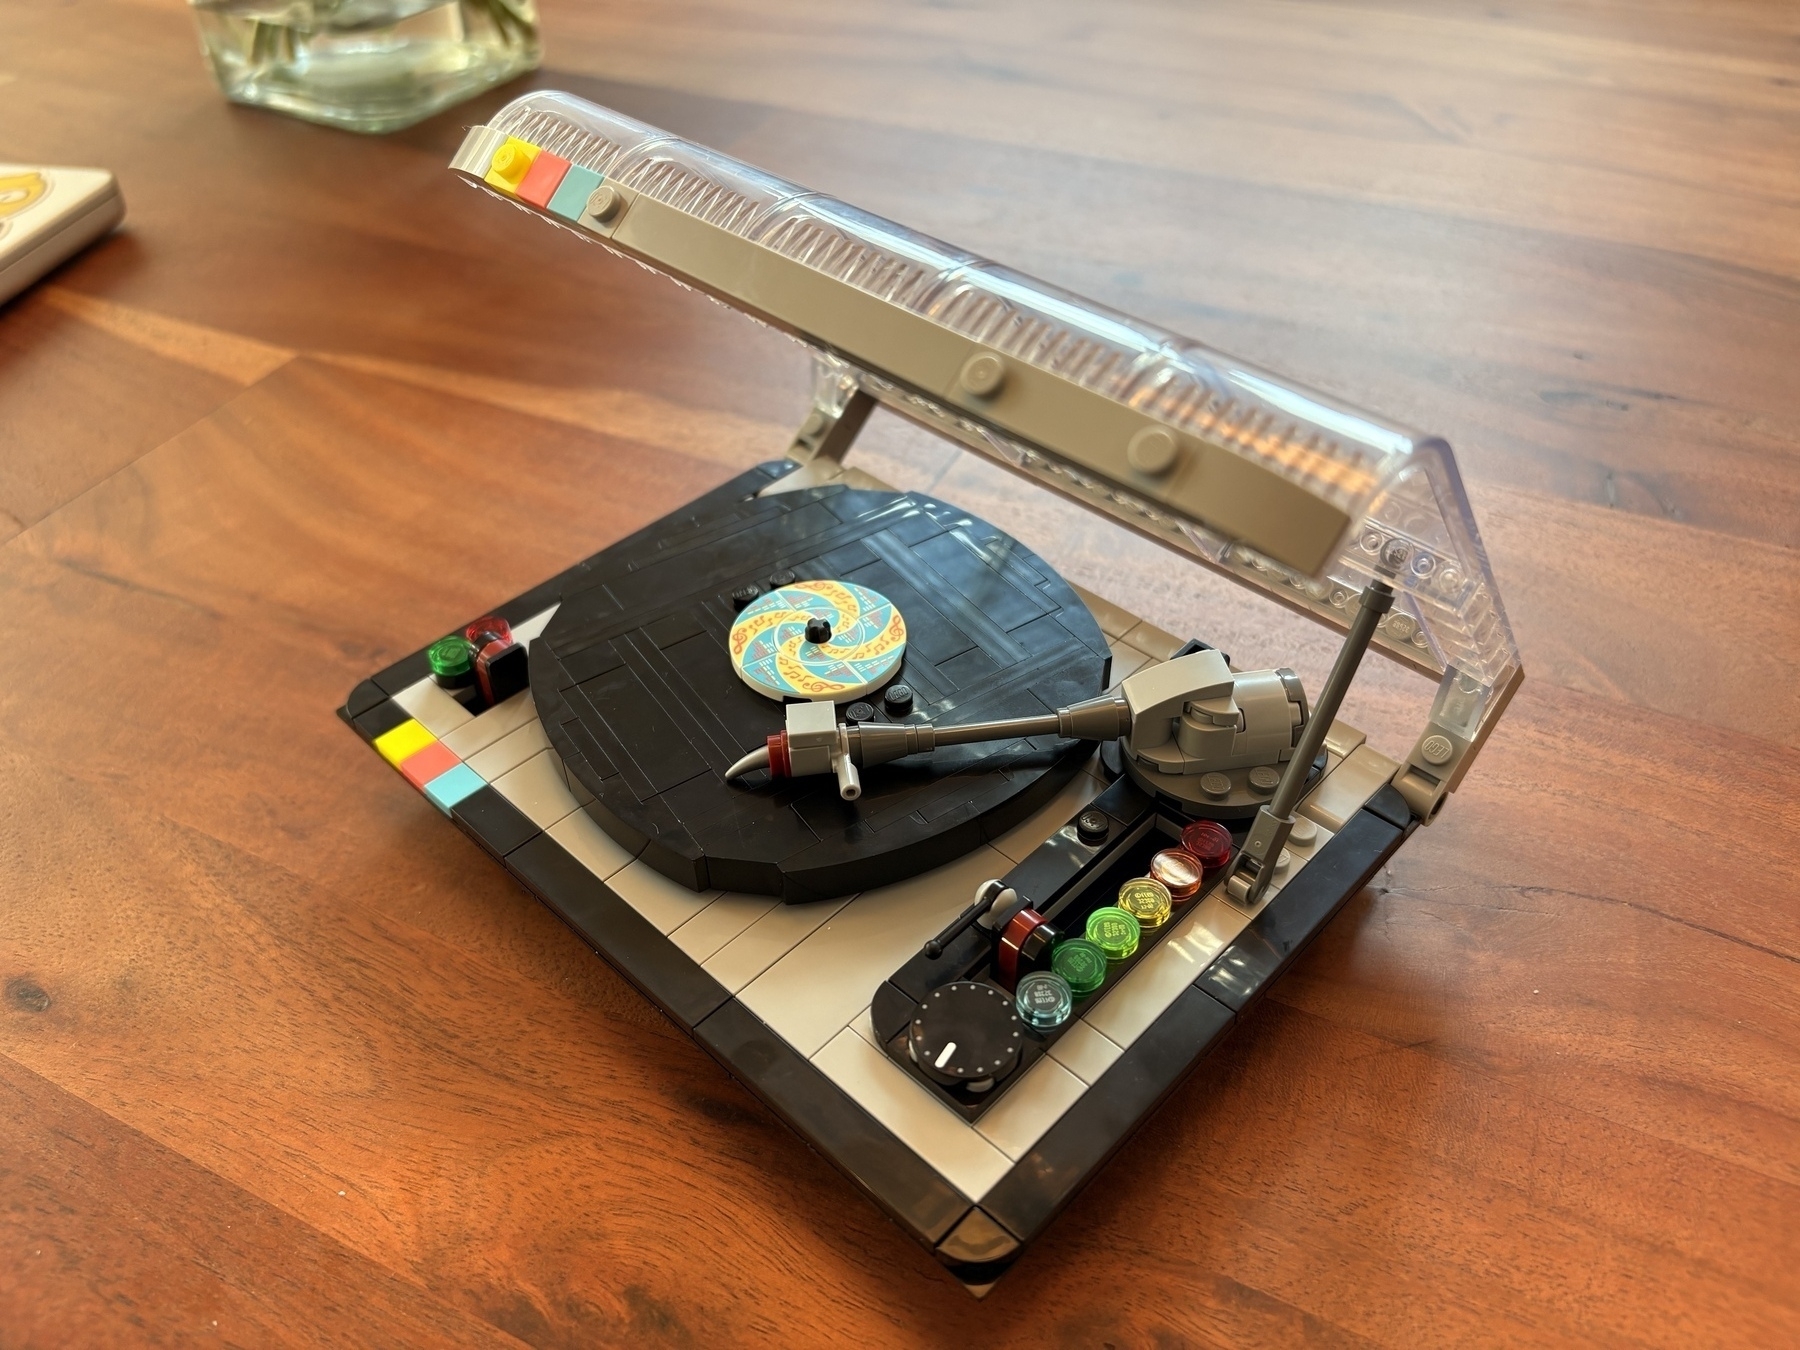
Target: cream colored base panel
{"x":817,"y":988}
{"x":964,"y":1158}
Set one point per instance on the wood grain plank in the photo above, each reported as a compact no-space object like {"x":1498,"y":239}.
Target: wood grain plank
{"x":1368,"y":1186}
{"x":188,"y":1257}
{"x":1418,"y":110}
{"x":241,"y":360}
{"x":98,"y":400}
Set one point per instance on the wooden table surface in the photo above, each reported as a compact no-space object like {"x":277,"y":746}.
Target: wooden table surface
{"x":285,"y":1059}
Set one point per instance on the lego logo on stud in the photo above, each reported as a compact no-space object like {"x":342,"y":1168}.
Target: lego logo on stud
{"x":1153,"y":450}
{"x":983,"y":374}
{"x":1437,"y":749}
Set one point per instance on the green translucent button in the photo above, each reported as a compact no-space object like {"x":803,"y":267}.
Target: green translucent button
{"x":1081,"y":963}
{"x":1147,"y":900}
{"x":449,"y":656}
{"x":1114,"y":932}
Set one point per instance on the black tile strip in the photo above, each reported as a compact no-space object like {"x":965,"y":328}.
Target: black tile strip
{"x":618,"y":932}
{"x":1258,"y":955}
{"x":1124,"y":801}
{"x":892,"y":1008}
{"x":1390,"y":806}
{"x":1102,"y":1118}
{"x":1049,"y":867}
{"x":408,"y":670}
{"x":826,"y":1116}
{"x":529,"y":604}
{"x":380,"y":719}
{"x":365,"y":696}
{"x":493,"y":822}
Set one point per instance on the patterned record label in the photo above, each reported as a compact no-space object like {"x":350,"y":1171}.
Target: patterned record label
{"x":770,"y":652}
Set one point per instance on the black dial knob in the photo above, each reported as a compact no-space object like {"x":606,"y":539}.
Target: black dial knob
{"x":818,"y":630}
{"x":966,"y":1034}
{"x":1092,"y":827}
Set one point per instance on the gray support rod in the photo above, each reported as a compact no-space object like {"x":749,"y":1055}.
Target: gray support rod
{"x":1268,"y":835}
{"x":1377,"y":600}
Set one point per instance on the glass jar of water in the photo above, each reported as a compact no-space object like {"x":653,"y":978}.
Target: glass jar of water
{"x":368,"y":65}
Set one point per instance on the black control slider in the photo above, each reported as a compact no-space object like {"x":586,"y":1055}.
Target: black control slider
{"x":989,"y":894}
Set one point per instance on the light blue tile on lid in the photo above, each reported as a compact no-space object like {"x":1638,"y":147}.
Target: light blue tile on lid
{"x":572,"y":193}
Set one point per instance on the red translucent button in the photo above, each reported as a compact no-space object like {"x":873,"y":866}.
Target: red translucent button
{"x":1208,"y":841}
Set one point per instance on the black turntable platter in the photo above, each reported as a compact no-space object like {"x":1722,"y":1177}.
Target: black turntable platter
{"x":638,"y":695}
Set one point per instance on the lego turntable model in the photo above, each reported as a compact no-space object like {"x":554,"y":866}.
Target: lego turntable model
{"x":957,"y":867}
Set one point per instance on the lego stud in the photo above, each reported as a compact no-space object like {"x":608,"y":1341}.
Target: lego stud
{"x":1114,"y":932}
{"x":983,"y":374}
{"x":451,"y":663}
{"x":1148,"y":901}
{"x":1180,"y":873}
{"x":1153,"y":450}
{"x":511,"y":162}
{"x":1082,"y":964}
{"x":1209,"y":842}
{"x":508,"y":161}
{"x":603,"y":204}
{"x":1436,"y":749}
{"x":1045,"y":1000}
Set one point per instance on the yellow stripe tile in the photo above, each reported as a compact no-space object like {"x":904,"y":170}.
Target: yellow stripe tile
{"x":403,"y":741}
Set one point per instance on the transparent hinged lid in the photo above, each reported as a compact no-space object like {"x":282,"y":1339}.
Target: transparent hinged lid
{"x":1391,"y":501}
